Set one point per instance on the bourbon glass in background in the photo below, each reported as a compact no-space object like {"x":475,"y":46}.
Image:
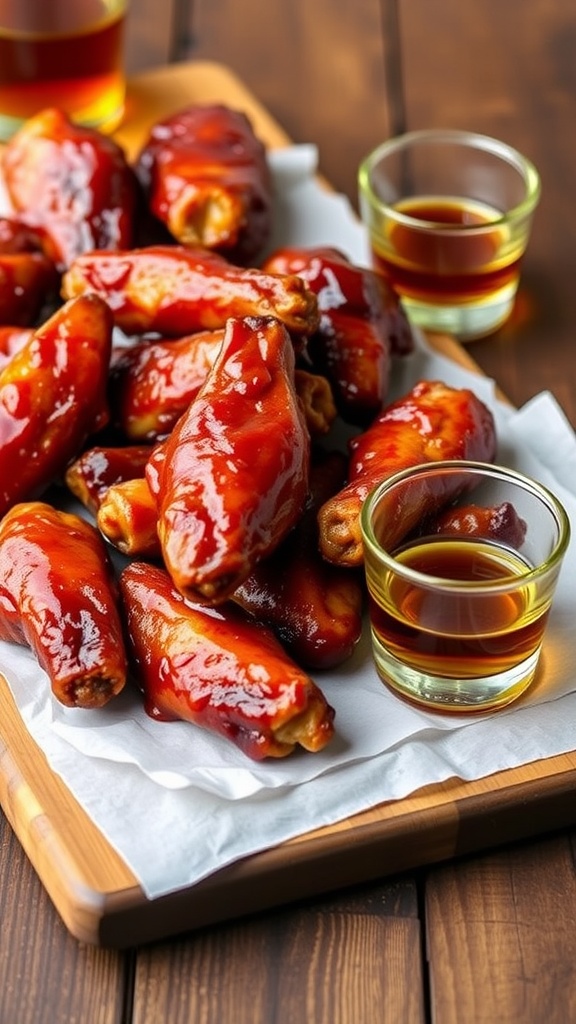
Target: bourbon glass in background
{"x":459,"y":598}
{"x":449,"y":216}
{"x":62,"y":53}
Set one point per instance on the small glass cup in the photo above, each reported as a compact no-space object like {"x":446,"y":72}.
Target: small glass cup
{"x":65,"y":54}
{"x":461,"y":562}
{"x":449,"y":215}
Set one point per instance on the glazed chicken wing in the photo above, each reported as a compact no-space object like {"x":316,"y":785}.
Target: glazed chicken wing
{"x":153,"y":382}
{"x":206,"y":177}
{"x":172,"y":291}
{"x":128,"y":517}
{"x":97,"y":469}
{"x":52,"y":397}
{"x":29,"y":281}
{"x":493,"y":522}
{"x":361,"y":324}
{"x":72,"y":183}
{"x":314,"y":608}
{"x":218,"y":669}
{"x":232,"y":478}
{"x":432,"y":422}
{"x":58,"y":596}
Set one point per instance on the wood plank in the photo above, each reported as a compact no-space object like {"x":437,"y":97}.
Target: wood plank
{"x":98,"y":897}
{"x":342,"y":962}
{"x":467,"y":79}
{"x":45,"y":975}
{"x":500,"y":935}
{"x":150,"y":40}
{"x":303,"y":65}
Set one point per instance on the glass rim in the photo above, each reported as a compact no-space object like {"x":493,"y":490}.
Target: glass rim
{"x":487,"y":469}
{"x":452,"y":136}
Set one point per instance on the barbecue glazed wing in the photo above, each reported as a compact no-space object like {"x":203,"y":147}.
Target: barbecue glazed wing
{"x":172,"y":291}
{"x":29,"y":281}
{"x":72,"y":183}
{"x":128,"y":517}
{"x":205,"y":175}
{"x":313,"y":607}
{"x":58,"y":596}
{"x":232,"y":477}
{"x":218,"y":669}
{"x":153,"y":382}
{"x":361,"y":324}
{"x":52,"y":396}
{"x":97,"y":469}
{"x":432,"y":422}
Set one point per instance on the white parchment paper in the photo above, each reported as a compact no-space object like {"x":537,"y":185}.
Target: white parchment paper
{"x":178,"y":804}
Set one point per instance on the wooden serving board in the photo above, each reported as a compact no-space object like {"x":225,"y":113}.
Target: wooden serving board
{"x":97,"y":896}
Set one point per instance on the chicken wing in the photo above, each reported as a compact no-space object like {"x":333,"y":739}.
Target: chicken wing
{"x":52,"y":397}
{"x":172,"y":291}
{"x":205,"y":175}
{"x":59,"y":597}
{"x":232,"y":478}
{"x":432,"y":422}
{"x":218,"y":669}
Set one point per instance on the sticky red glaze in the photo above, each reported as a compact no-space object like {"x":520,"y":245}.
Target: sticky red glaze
{"x":206,"y":177}
{"x":153,"y":382}
{"x":216,"y":668}
{"x":313,"y":607}
{"x":172,"y":290}
{"x":71,"y":182}
{"x":52,"y":396}
{"x":361,"y":324}
{"x":432,"y":422}
{"x":28,"y":281}
{"x":98,"y":468}
{"x":232,"y":477}
{"x":58,"y":596}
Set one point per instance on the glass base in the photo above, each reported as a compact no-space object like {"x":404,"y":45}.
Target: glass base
{"x":442,"y":693}
{"x":467,"y":321}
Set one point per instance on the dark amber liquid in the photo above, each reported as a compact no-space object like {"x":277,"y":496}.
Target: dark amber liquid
{"x":434,"y":263}
{"x":458,"y":635}
{"x":79,"y":69}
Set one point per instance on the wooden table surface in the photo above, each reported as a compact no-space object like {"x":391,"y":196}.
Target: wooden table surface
{"x":489,"y":939}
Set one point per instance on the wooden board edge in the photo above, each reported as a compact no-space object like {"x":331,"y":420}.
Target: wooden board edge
{"x":77,"y":866}
{"x":322,"y":863}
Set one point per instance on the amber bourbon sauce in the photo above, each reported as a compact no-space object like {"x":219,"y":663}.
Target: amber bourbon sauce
{"x":430,"y":261}
{"x":460,"y":635}
{"x":76,"y":66}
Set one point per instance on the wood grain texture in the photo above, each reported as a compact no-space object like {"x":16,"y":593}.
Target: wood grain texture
{"x":45,"y":974}
{"x":513,"y":77}
{"x":501,"y":941}
{"x":152,"y":33}
{"x":307,"y":67}
{"x":331,"y":964}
